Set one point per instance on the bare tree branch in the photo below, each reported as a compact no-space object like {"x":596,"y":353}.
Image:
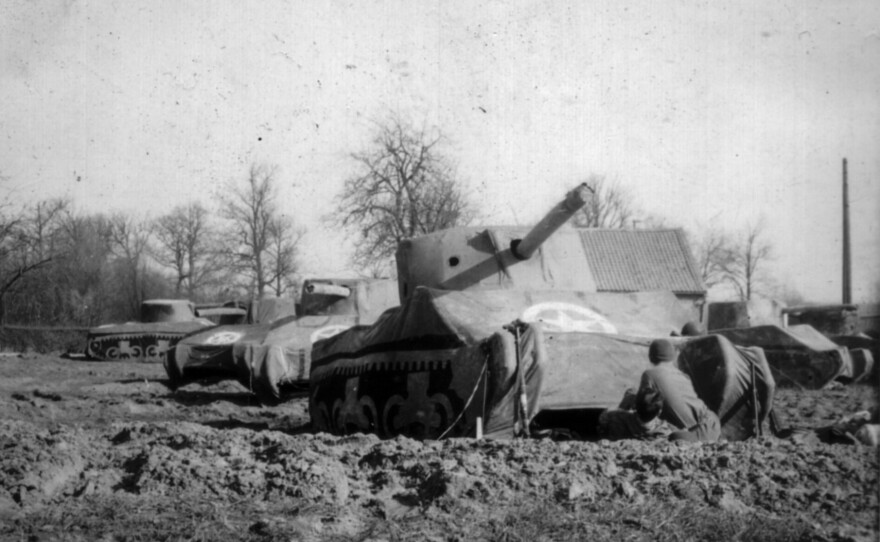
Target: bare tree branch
{"x":611,"y":207}
{"x":129,"y":239}
{"x":264,"y":248}
{"x":405,"y":188}
{"x":185,"y":244}
{"x":741,"y":264}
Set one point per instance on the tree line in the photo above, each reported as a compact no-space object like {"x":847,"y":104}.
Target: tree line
{"x":62,"y":267}
{"x":59,"y":266}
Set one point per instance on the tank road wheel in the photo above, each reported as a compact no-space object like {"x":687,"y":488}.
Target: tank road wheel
{"x":418,"y":415}
{"x":94,"y":350}
{"x":353,"y":414}
{"x":152,"y":353}
{"x":129,"y":352}
{"x":321,"y":419}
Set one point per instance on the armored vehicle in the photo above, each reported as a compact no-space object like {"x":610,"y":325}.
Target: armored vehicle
{"x":801,"y":356}
{"x":501,"y":331}
{"x":162,"y":323}
{"x":208,"y":352}
{"x":274,"y":350}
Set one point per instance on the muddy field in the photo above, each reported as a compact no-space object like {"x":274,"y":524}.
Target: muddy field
{"x":104,"y":451}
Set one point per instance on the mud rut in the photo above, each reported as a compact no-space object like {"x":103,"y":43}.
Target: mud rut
{"x":104,"y":451}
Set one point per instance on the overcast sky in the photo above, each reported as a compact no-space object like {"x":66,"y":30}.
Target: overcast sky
{"x":711,"y":113}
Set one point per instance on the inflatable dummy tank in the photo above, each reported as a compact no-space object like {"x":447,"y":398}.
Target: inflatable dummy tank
{"x":801,"y":356}
{"x":208,"y":352}
{"x":274,"y":350}
{"x":499,"y":327}
{"x":163,"y":322}
{"x":282,"y":359}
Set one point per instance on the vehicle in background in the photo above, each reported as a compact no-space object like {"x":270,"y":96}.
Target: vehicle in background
{"x":162,"y":323}
{"x":207,"y":352}
{"x":229,"y":313}
{"x":270,"y":357}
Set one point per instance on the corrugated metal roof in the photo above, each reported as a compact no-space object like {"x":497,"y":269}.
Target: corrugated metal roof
{"x":641,"y":260}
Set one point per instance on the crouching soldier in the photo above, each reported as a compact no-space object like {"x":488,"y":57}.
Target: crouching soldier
{"x":637,"y":417}
{"x":682,"y":408}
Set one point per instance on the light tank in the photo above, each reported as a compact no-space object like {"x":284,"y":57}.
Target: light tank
{"x":501,"y":331}
{"x":162,"y":323}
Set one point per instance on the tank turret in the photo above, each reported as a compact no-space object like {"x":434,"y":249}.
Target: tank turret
{"x":502,"y":257}
{"x":318,"y":288}
{"x":526,"y":247}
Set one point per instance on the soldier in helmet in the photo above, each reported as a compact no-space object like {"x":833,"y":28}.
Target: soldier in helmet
{"x":682,"y":408}
{"x":637,"y":417}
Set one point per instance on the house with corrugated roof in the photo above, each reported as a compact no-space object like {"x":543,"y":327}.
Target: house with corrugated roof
{"x":644,"y":260}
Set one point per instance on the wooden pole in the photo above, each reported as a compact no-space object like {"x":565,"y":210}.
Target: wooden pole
{"x":847,"y":270}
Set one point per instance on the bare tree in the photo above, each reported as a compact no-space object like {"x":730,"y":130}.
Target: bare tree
{"x":746,"y":272}
{"x":404,"y":188}
{"x":129,"y":239}
{"x":184,"y":244}
{"x":716,"y":256}
{"x":282,"y":254}
{"x":253,"y":217}
{"x":611,"y":206}
{"x":44,"y":226}
{"x":27,"y":242}
{"x":86,"y":241}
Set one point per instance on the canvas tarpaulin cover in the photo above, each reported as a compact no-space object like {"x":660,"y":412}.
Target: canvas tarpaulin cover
{"x":283,"y":355}
{"x":448,"y":319}
{"x":735,"y":382}
{"x":798,"y":355}
{"x":594,"y":370}
{"x":210,"y":352}
{"x":270,"y":309}
{"x":433,"y":354}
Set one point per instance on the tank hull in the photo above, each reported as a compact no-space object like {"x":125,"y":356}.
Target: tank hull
{"x":465,"y":364}
{"x":145,"y":342}
{"x":799,"y":355}
{"x":274,"y":357}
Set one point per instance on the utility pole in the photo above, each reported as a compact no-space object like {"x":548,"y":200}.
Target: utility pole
{"x":847,"y":269}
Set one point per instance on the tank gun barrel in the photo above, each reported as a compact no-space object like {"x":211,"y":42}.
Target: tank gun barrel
{"x":526,"y":247}
{"x":328,"y":289}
